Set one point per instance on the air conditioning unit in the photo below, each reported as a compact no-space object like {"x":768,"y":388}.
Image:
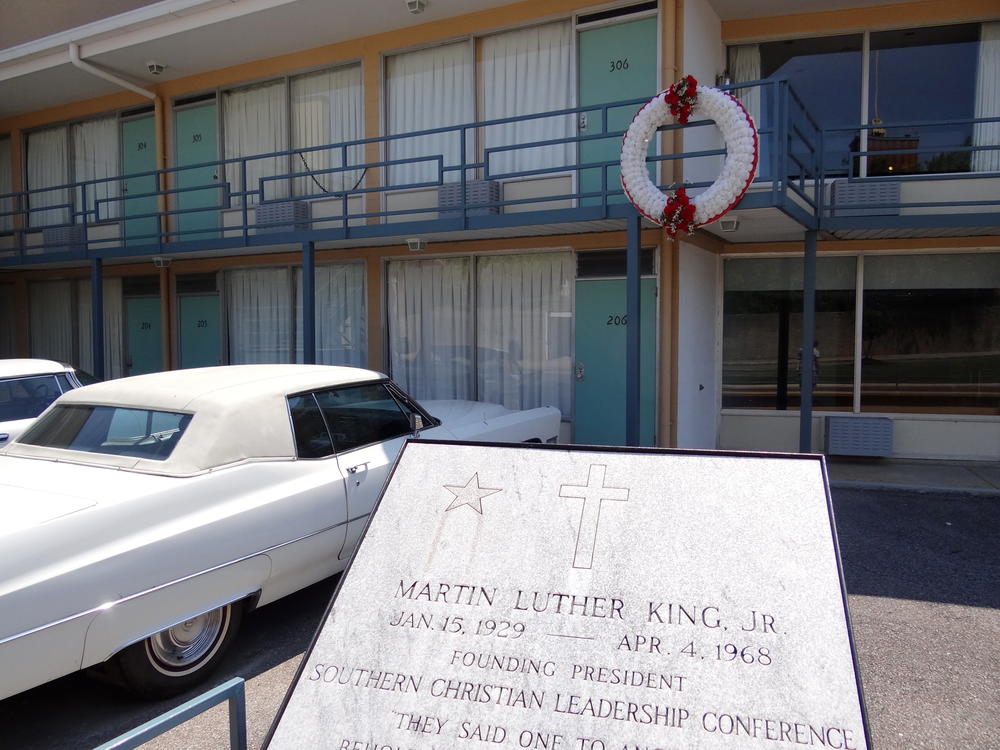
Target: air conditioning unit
{"x":853,"y":197}
{"x":283,"y":216}
{"x":859,"y":436}
{"x":476,"y":192}
{"x":64,"y":239}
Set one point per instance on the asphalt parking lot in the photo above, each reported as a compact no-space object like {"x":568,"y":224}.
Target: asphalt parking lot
{"x":923,"y":578}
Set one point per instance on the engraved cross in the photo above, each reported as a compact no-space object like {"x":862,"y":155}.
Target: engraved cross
{"x":590,"y":515}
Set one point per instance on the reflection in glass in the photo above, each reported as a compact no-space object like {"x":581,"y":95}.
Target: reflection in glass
{"x":762,"y":333}
{"x":931,"y":334}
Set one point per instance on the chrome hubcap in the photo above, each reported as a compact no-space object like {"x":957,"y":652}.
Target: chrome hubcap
{"x":186,"y":642}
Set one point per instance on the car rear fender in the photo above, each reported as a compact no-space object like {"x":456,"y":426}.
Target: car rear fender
{"x":139,"y":616}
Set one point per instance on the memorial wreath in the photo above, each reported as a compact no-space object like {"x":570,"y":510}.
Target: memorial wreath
{"x":679,"y":212}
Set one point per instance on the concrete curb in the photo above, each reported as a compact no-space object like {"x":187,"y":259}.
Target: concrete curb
{"x":847,"y":484}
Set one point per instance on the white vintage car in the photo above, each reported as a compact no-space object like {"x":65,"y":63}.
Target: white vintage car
{"x":143,"y":517}
{"x":27,"y":387}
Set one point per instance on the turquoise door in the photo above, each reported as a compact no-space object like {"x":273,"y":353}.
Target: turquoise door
{"x":615,"y":63}
{"x":199,"y":330}
{"x":599,"y":396}
{"x":197,"y":142}
{"x":143,"y":337}
{"x":139,"y":155}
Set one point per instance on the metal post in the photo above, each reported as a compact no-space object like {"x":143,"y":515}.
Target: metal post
{"x":309,"y":303}
{"x":633,"y":355}
{"x":808,"y":342}
{"x":97,"y":316}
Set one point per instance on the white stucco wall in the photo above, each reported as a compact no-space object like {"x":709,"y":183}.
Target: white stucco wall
{"x":704,"y":58}
{"x":697,"y":348}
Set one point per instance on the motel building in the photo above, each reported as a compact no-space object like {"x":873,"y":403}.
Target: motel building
{"x":430,"y":188}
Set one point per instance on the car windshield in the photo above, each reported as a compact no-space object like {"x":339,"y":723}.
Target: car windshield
{"x":24,"y":398}
{"x":143,"y":433}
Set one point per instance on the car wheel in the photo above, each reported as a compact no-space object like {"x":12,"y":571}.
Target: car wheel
{"x":171,"y":661}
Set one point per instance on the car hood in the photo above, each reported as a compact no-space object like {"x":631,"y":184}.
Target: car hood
{"x":454,"y":413}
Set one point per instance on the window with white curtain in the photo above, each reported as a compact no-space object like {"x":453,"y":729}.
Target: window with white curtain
{"x":526,"y":71}
{"x":51,"y":320}
{"x":430,"y":327}
{"x":426,"y":89}
{"x":341,"y":315}
{"x":114,"y":318}
{"x":326,"y":109}
{"x":524,"y":311}
{"x":987,"y":99}
{"x":255,"y":121}
{"x":48,"y":167}
{"x":6,"y":186}
{"x":259,"y":312}
{"x":518,"y":350}
{"x":96,"y":157}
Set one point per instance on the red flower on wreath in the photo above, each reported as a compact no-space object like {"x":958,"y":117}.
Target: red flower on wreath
{"x":678,"y":213}
{"x":681,"y":98}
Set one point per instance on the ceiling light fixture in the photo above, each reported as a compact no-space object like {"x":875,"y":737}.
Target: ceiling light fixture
{"x":415,"y":6}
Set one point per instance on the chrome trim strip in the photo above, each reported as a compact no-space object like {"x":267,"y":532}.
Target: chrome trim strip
{"x":109,"y":605}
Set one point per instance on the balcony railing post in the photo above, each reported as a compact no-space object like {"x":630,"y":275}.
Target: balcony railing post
{"x":97,"y":316}
{"x":806,"y":357}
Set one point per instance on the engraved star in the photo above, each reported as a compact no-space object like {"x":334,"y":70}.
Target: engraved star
{"x":469,"y":495}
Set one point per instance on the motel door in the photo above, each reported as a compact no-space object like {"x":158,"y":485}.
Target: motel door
{"x":138,"y":139}
{"x":198,"y":330}
{"x":616,"y":62}
{"x":143,"y":336}
{"x":599,"y":370}
{"x":196,"y":133}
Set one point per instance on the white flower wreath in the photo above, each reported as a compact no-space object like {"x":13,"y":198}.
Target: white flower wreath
{"x":677,"y":212}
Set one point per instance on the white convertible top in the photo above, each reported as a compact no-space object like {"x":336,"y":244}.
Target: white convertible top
{"x":240,"y":412}
{"x":20,"y":368}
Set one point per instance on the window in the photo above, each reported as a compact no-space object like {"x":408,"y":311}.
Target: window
{"x":494,"y":328}
{"x":312,"y":438}
{"x":931,"y":334}
{"x":24,"y":398}
{"x":762,"y":333}
{"x":142,"y":433}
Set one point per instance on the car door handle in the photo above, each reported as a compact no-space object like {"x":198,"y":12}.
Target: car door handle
{"x":359,"y":467}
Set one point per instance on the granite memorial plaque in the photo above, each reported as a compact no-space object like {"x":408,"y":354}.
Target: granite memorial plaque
{"x":586,"y":599}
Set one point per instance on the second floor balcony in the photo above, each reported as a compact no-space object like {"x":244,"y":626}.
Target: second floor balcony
{"x":544,"y":173}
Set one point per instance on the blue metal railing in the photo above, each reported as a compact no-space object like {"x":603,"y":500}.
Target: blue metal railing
{"x":356,"y":188}
{"x":232,"y":691}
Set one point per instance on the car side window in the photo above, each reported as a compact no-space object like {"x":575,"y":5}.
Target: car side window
{"x":362,"y":414}
{"x":312,"y":438}
{"x":23,"y":398}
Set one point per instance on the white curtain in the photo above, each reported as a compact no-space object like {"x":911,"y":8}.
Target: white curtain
{"x":259,"y":311}
{"x":429,"y":88}
{"x":6,"y":186}
{"x":527,"y":71}
{"x":48,"y":166}
{"x":255,"y":121}
{"x":988,"y":99}
{"x":95,"y":157}
{"x":50,"y":320}
{"x":326,"y":109}
{"x":113,"y":327}
{"x":430,"y":332}
{"x":744,"y":65}
{"x":341,"y":315}
{"x":524,"y":308}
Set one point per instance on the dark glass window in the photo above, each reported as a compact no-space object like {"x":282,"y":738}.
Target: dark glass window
{"x":919,"y":75}
{"x":762,"y":333}
{"x":24,"y":398}
{"x":361,"y":415}
{"x":142,"y":433}
{"x":312,"y":438}
{"x":931,"y":334}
